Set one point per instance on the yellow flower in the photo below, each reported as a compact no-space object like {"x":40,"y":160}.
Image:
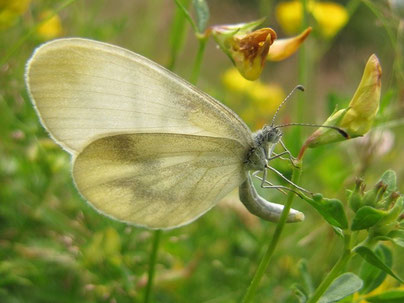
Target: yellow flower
{"x":247,"y":49}
{"x":365,"y":102}
{"x":289,"y":16}
{"x":52,"y":27}
{"x":357,"y":119}
{"x":10,"y":10}
{"x":330,"y":16}
{"x":265,"y":98}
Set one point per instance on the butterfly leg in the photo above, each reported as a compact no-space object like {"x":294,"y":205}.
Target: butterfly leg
{"x":262,"y":208}
{"x":280,"y":188}
{"x":279,"y":156}
{"x":290,"y":156}
{"x":287,"y":180}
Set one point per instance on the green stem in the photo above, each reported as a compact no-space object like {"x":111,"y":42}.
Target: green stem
{"x":152,"y":265}
{"x":187,"y":15}
{"x":177,"y":35}
{"x":262,"y":267}
{"x":302,"y":77}
{"x":198,"y":60}
{"x":335,"y":271}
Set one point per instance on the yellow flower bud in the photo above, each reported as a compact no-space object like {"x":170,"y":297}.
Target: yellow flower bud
{"x":357,"y":119}
{"x":365,"y":102}
{"x":284,"y":48}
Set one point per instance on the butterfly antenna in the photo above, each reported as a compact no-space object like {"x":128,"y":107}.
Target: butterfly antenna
{"x":299,"y":87}
{"x":340,"y":130}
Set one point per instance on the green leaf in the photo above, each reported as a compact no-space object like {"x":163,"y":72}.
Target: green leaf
{"x":299,"y":292}
{"x":305,"y":275}
{"x":366,"y":217}
{"x":332,"y":210}
{"x":389,"y":296}
{"x":397,"y":236}
{"x":372,"y":276}
{"x":202,"y":14}
{"x":369,"y":256}
{"x":343,"y":286}
{"x":389,"y":177}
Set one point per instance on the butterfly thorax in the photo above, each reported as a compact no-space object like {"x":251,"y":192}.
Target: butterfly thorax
{"x":264,"y":142}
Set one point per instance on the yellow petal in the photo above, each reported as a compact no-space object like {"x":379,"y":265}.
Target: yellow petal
{"x":284,"y":48}
{"x":330,"y":16}
{"x":289,"y":16}
{"x":51,"y":28}
{"x":365,"y":102}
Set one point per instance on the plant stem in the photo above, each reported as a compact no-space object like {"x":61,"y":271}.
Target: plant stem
{"x":302,"y":69}
{"x":335,"y":271}
{"x":152,"y":265}
{"x":198,"y":60}
{"x":262,"y":267}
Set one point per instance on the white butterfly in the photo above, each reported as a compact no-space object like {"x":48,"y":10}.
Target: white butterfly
{"x":147,"y":147}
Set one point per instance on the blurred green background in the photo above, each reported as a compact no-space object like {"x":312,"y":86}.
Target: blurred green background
{"x":56,"y":248}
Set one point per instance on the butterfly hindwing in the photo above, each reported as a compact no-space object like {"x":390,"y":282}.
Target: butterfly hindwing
{"x":158,"y":180}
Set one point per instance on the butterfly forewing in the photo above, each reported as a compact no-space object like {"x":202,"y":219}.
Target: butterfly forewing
{"x":158,"y":180}
{"x":84,"y":90}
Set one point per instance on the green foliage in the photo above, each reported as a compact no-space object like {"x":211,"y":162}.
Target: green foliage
{"x":202,"y":14}
{"x":366,"y":217}
{"x":373,"y":276}
{"x":397,"y":236}
{"x":389,"y":177}
{"x":343,"y":286}
{"x":370,"y":256}
{"x":332,"y":210}
{"x":390,"y":296}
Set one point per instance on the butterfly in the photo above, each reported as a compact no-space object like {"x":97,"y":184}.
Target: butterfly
{"x":147,"y":147}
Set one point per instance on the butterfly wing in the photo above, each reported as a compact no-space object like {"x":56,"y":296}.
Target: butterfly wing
{"x":84,"y":90}
{"x":158,"y":180}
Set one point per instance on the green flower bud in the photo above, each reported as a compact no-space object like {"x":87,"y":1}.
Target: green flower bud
{"x":355,"y":198}
{"x":375,"y":194}
{"x":390,"y":221}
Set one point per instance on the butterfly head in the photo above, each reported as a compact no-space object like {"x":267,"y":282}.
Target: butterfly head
{"x":264,"y":141}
